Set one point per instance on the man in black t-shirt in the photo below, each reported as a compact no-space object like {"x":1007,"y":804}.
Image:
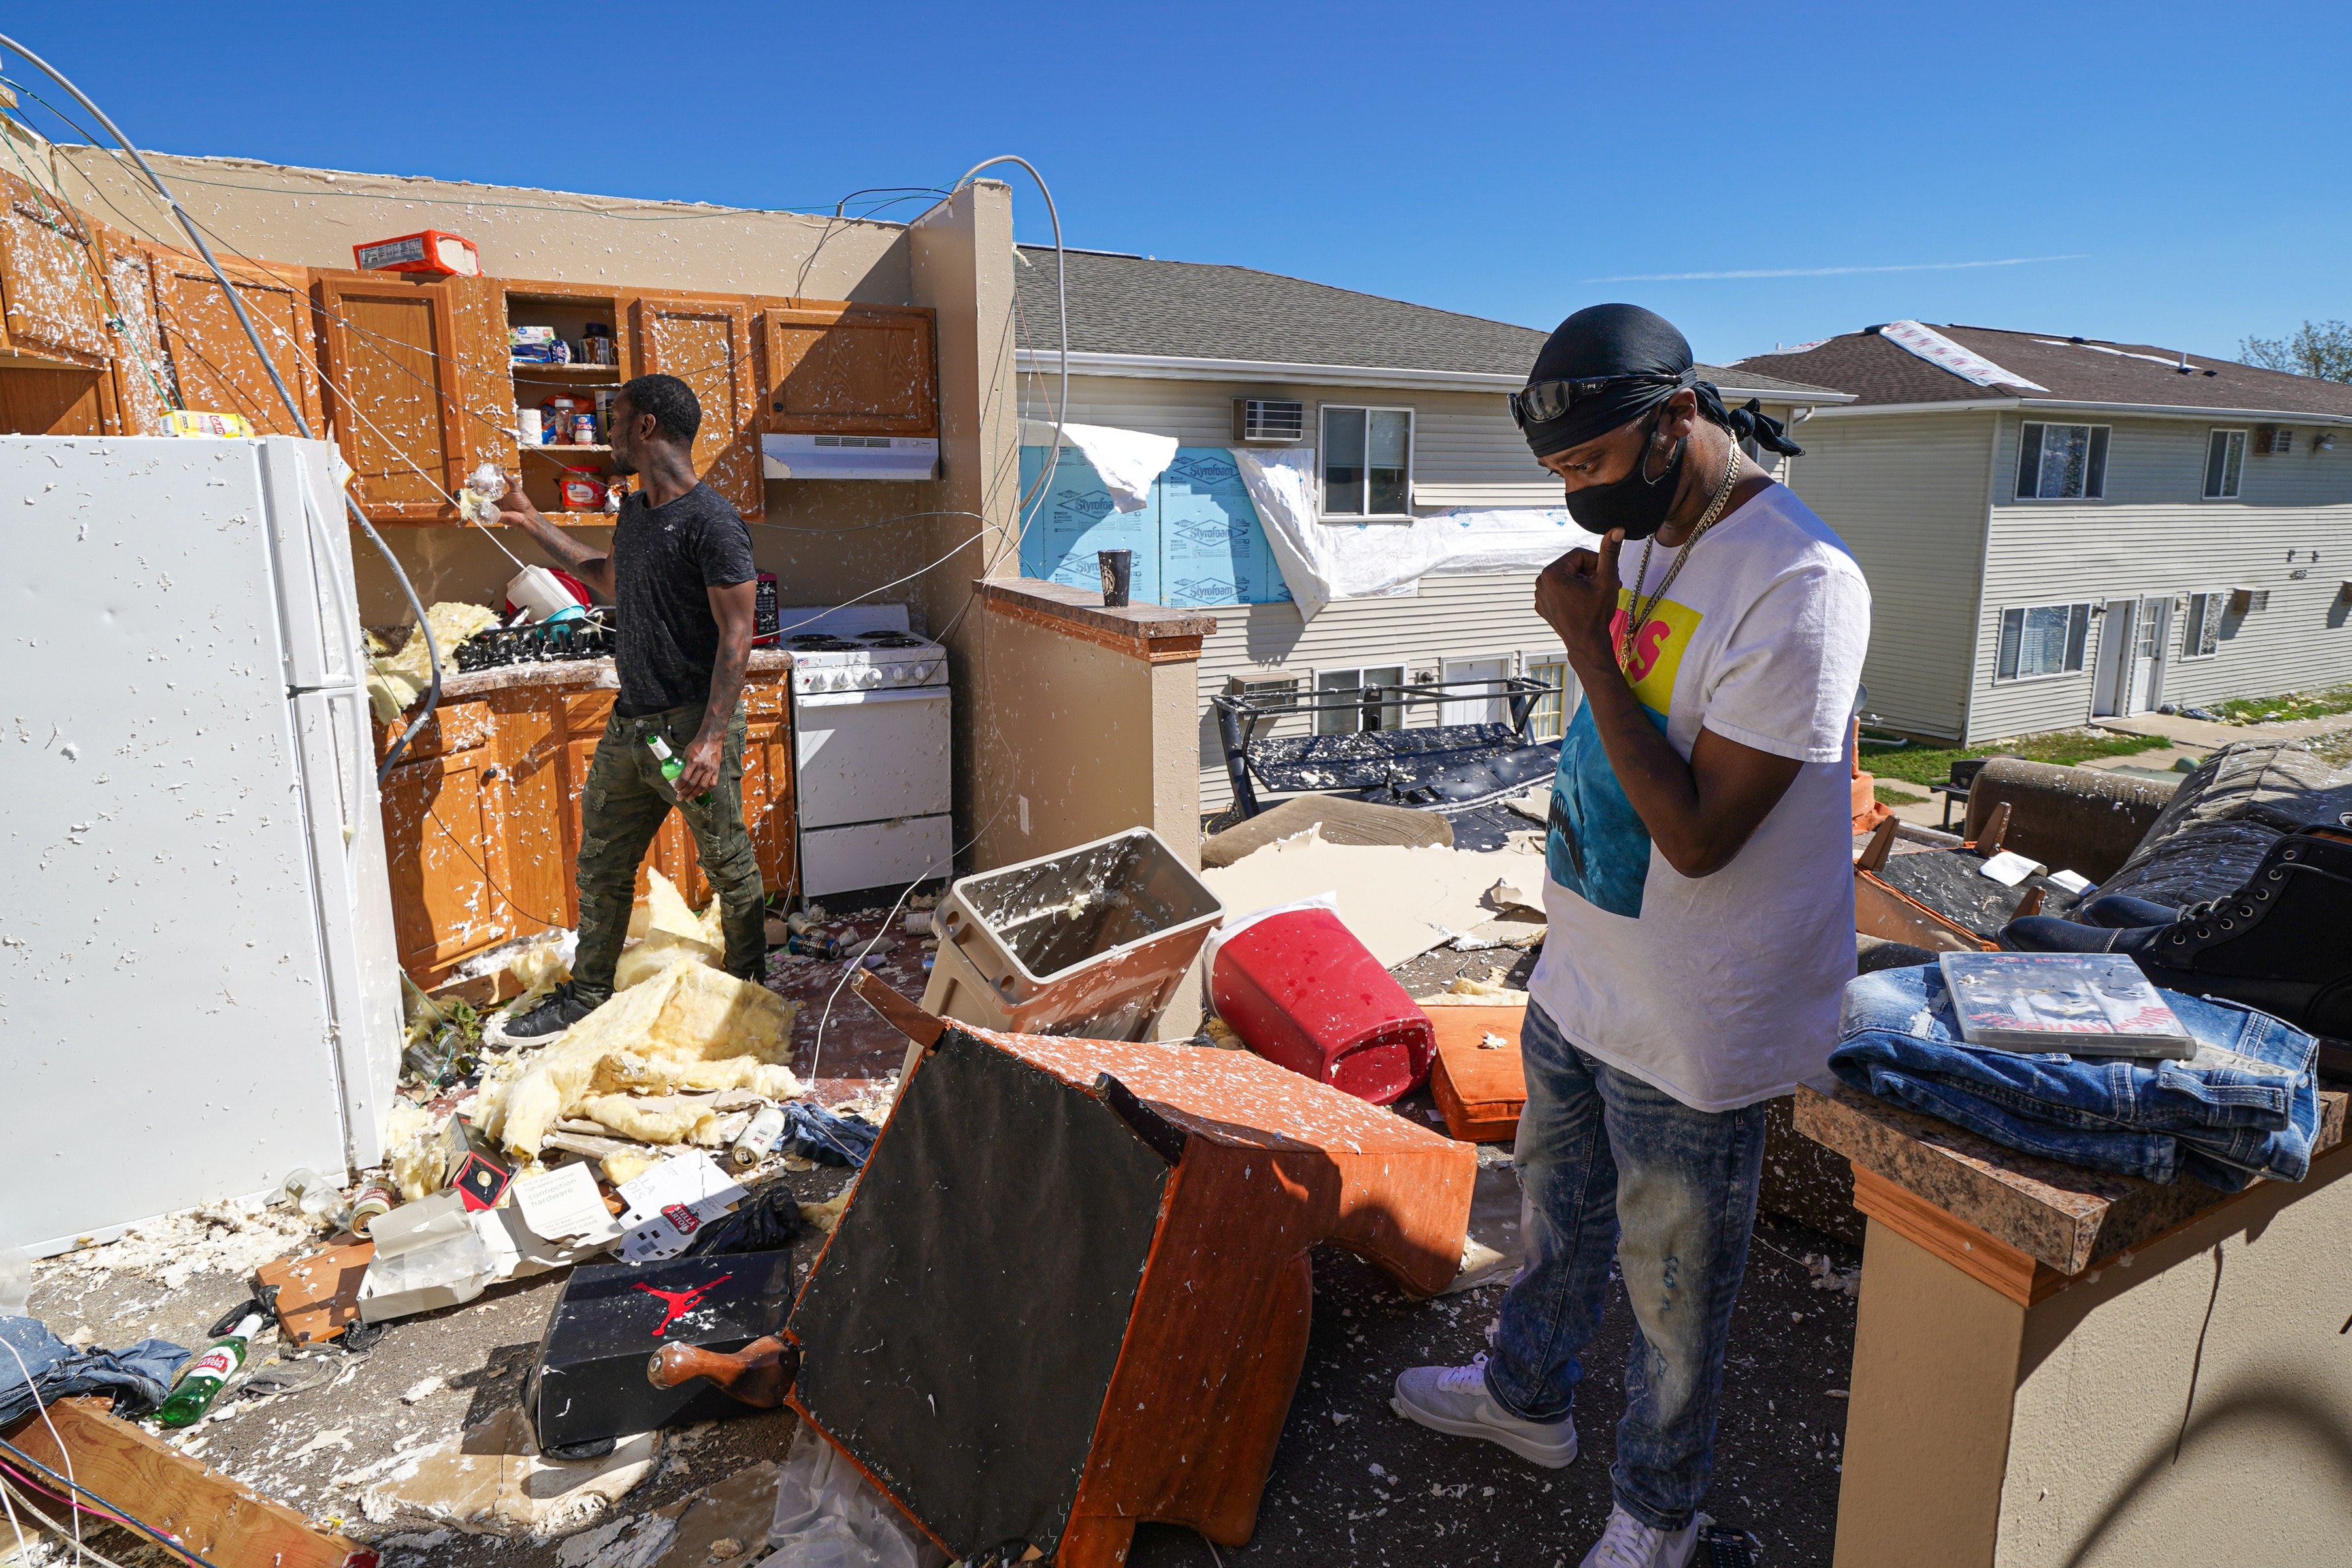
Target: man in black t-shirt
{"x":682,"y":584}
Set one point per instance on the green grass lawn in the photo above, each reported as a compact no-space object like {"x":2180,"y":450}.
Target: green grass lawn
{"x":1924,"y":765}
{"x":1886,"y":794}
{"x":2294,"y":705}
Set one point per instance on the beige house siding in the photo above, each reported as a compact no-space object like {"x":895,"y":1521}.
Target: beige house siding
{"x":2152,"y":536}
{"x":1460,"y":438}
{"x":1906,"y":493}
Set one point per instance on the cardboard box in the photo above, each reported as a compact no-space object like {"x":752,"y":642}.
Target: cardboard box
{"x":1479,"y":1089}
{"x":435,"y":1253}
{"x":590,"y":1381}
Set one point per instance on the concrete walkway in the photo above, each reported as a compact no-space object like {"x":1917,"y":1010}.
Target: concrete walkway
{"x":2206,"y":735}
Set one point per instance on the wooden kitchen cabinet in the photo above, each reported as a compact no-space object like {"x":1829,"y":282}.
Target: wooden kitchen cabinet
{"x":707,"y":343}
{"x":835,"y":368}
{"x":217,"y":369}
{"x":51,"y":270}
{"x":414,"y":389}
{"x":482,"y":815}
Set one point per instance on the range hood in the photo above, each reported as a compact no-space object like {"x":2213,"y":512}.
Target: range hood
{"x":850,"y":457}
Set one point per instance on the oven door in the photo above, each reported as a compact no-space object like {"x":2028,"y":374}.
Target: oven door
{"x":871,"y":756}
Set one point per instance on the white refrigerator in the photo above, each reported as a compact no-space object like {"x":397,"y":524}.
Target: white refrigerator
{"x":199,"y":988}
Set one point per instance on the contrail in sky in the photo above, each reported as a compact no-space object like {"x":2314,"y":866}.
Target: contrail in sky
{"x":1829,"y":272}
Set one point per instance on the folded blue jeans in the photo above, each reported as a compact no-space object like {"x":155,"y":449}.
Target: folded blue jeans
{"x":35,"y":1366}
{"x":2246,"y":1104}
{"x":1614,"y":1167}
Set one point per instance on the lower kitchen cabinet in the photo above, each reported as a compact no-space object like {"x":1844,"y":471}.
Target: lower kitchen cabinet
{"x":482,"y":815}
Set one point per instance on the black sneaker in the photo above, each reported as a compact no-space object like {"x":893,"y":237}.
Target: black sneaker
{"x":562,"y":1009}
{"x":2282,"y":942}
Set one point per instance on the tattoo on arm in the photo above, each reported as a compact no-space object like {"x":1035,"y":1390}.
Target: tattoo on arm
{"x":733,"y":608}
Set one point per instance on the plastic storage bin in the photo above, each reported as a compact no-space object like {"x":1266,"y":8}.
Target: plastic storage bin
{"x":1303,"y":993}
{"x":1092,"y":940}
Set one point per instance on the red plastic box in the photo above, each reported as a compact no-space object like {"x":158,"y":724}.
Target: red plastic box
{"x":1303,"y":993}
{"x":428,"y":250}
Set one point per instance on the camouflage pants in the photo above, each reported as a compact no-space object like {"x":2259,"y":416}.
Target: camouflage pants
{"x":622,"y":807}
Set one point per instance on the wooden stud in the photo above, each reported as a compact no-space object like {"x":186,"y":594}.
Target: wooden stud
{"x":208,"y":1513}
{"x":1882,"y":844}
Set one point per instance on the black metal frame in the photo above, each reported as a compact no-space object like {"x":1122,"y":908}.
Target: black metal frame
{"x":1241,"y":715}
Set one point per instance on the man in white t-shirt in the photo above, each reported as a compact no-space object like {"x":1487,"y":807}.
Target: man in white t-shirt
{"x":1701,"y":899}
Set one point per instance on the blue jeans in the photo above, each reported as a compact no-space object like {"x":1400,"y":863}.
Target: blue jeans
{"x":1613,"y":1166}
{"x":2245,"y":1104}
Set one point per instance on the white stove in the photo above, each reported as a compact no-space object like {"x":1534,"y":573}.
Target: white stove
{"x":878,"y":661}
{"x":872,"y":748}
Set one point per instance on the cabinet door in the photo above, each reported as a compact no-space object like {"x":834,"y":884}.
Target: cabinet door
{"x":850,"y":369}
{"x":214,"y":359}
{"x":529,"y":807}
{"x":59,"y":401}
{"x":390,"y":354}
{"x":707,"y":343}
{"x":142,"y":370}
{"x":51,"y":269}
{"x":438,"y":835}
{"x":768,"y":799}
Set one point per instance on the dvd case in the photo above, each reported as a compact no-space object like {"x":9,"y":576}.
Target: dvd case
{"x":2083,"y":1004}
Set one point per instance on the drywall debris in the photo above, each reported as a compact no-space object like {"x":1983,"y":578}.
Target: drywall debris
{"x":226,"y":1238}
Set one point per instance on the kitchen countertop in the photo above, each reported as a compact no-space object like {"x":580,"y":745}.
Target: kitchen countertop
{"x":594,"y":674}
{"x":2063,"y":1217}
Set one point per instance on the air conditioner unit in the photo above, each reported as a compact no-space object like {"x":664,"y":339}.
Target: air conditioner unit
{"x":2245,"y":601}
{"x":2273,"y":441}
{"x":1269,"y":692}
{"x":1268,"y":421}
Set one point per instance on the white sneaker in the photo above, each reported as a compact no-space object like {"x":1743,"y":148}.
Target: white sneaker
{"x":1453,"y":1399}
{"x":1630,"y":1543}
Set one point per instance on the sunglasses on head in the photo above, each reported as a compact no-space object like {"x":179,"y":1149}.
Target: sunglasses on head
{"x":1541,"y":402}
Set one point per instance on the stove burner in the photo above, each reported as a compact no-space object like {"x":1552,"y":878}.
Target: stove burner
{"x":820,"y":642}
{"x":890,"y":639}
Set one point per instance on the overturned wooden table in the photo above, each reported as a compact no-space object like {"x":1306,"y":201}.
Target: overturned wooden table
{"x":2057,"y":1366}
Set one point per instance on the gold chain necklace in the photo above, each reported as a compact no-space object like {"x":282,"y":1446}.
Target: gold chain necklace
{"x":1640,"y":610}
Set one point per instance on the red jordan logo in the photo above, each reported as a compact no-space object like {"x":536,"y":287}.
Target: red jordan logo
{"x":681,"y":1302}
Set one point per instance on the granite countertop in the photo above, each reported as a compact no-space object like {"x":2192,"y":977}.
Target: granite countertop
{"x":594,"y":674}
{"x":2060,"y":1215}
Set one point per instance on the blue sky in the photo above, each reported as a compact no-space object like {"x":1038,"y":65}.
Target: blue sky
{"x":2160,"y":172}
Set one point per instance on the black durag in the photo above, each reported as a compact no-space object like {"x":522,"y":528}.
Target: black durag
{"x":1627,"y":341}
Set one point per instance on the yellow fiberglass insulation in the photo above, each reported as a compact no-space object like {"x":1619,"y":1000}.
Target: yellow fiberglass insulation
{"x":397,"y":682}
{"x":627,"y":1164}
{"x":413,"y":1151}
{"x":625,"y":1072}
{"x":537,"y":969}
{"x":688,"y":1013}
{"x":666,"y":930}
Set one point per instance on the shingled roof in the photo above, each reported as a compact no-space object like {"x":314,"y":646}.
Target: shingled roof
{"x":2067,"y":369}
{"x":1128,"y":305}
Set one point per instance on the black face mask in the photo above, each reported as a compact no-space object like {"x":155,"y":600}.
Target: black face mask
{"x":1635,"y":503}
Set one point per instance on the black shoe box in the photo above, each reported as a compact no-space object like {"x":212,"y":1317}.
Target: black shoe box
{"x":590,"y":1380}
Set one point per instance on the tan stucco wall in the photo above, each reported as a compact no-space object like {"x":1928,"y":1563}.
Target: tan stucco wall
{"x":2196,"y":1405}
{"x":2189,"y":1404}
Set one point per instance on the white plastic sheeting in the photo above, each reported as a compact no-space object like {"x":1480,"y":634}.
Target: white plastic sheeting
{"x":1322,"y":562}
{"x":1914,"y":337}
{"x":1128,"y":461}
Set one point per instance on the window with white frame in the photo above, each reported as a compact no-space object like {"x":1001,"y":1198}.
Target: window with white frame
{"x":2225,"y":455}
{"x":2200,"y":630}
{"x":1368,"y":690}
{"x":1547,"y":720}
{"x":1367,"y":461}
{"x":2062,"y":462}
{"x":2039,"y":640}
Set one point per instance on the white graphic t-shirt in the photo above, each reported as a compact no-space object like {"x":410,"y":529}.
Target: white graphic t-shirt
{"x":1721,"y":990}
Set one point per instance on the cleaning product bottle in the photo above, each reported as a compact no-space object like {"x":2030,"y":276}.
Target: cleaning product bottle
{"x":670,"y":767}
{"x":201,"y":1381}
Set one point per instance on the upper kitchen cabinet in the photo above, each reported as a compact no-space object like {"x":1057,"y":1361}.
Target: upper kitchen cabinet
{"x":416,"y":385}
{"x":143,"y":368}
{"x":51,"y":268}
{"x":707,"y":343}
{"x":213,"y":360}
{"x":568,"y":468}
{"x":844,"y":369}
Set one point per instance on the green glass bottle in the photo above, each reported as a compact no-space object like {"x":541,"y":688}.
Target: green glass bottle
{"x":201,"y":1381}
{"x":670,"y":767}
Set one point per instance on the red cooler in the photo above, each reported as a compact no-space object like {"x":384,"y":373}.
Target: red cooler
{"x":1303,"y":993}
